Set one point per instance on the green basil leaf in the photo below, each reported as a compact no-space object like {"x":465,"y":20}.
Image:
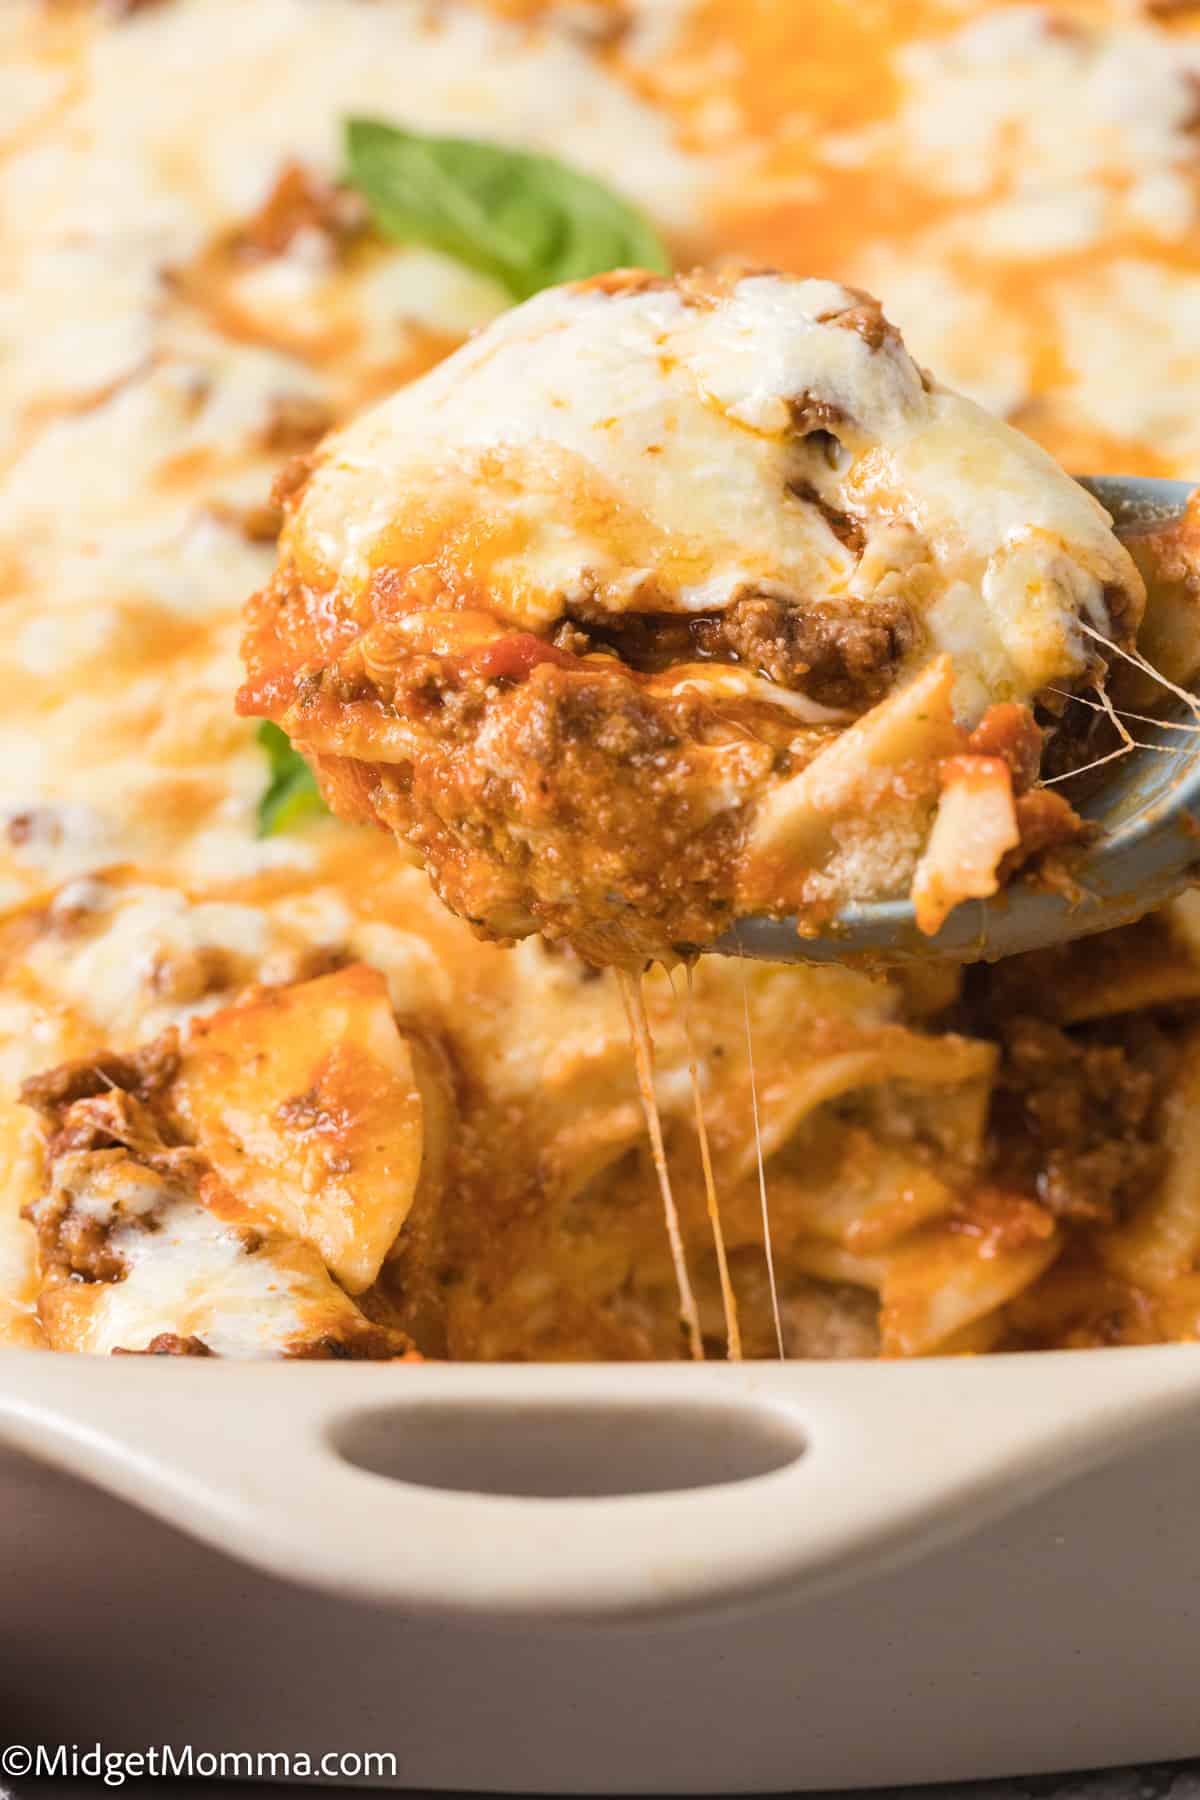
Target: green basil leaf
{"x":529,"y":221}
{"x":292,"y":795}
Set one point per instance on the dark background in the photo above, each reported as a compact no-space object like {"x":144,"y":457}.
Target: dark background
{"x":1153,"y":1781}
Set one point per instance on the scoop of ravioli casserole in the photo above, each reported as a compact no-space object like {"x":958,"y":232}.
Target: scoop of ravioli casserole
{"x":665,"y":602}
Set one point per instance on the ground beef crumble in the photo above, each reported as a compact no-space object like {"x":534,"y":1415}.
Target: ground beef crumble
{"x":1074,"y":1119}
{"x":867,"y":318}
{"x":840,"y":655}
{"x":145,"y":1073}
{"x":169,"y":1343}
{"x":301,"y":200}
{"x":525,"y":771}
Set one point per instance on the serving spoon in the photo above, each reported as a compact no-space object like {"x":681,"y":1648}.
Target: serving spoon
{"x":1147,"y":845}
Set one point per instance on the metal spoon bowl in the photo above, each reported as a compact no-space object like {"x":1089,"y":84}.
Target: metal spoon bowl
{"x":1147,"y":848}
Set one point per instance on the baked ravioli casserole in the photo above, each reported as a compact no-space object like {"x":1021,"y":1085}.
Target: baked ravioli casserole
{"x":628,"y":603}
{"x":665,"y":602}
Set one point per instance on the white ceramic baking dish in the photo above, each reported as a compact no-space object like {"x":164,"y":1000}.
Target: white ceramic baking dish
{"x":610,"y":1579}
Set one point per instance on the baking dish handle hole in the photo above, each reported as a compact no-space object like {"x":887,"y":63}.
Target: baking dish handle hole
{"x":587,"y":1450}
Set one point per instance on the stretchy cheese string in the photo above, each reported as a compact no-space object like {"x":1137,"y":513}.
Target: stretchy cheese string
{"x":1124,"y":713}
{"x":1147,"y":668}
{"x":1128,"y":741}
{"x":643,"y":1057}
{"x":733,"y":1335}
{"x":758,"y":1151}
{"x":1102,"y":703}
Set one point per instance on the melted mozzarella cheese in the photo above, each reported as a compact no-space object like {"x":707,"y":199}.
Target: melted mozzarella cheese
{"x":1149,"y":392}
{"x":661,"y":448}
{"x":140,"y":958}
{"x":188,"y":1272}
{"x":1052,"y":146}
{"x":136,"y":406}
{"x":980,"y":166}
{"x":1080,"y":125}
{"x":155,"y":180}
